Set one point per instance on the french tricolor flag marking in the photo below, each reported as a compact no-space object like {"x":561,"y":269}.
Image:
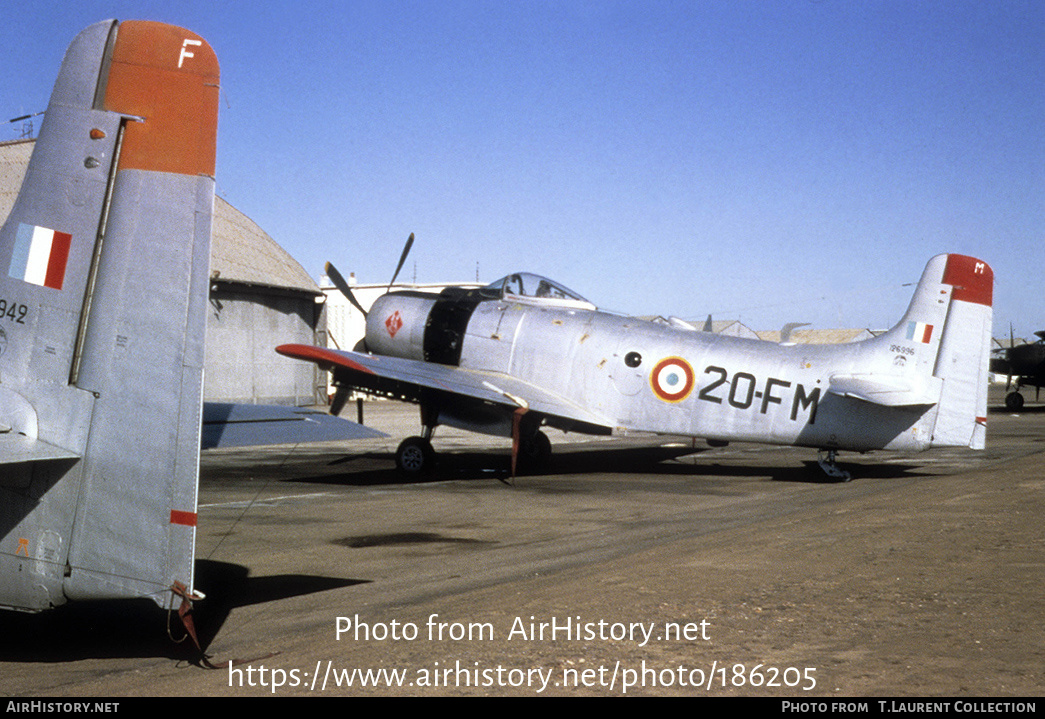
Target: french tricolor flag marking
{"x":40,"y":256}
{"x":919,"y":332}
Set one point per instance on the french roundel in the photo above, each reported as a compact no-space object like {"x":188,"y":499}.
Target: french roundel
{"x":672,"y":379}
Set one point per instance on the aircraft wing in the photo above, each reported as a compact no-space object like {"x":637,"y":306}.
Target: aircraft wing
{"x":408,"y":379}
{"x":244,"y":425}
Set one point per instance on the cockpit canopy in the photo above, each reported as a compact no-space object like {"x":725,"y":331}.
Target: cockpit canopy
{"x":528,"y":286}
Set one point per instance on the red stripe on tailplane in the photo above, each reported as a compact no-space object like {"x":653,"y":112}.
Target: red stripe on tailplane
{"x":973,"y":279}
{"x":187,"y":519}
{"x":321,"y":356}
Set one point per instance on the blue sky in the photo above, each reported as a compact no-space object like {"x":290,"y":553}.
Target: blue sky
{"x":770,"y":161}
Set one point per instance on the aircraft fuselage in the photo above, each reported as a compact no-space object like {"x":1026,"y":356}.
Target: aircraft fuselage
{"x":650,"y":376}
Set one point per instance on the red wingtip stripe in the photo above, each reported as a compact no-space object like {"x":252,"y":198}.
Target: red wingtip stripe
{"x":322,"y":356}
{"x":973,"y":279}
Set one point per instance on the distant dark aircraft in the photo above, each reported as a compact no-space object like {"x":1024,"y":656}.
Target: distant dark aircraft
{"x":1023,"y":363}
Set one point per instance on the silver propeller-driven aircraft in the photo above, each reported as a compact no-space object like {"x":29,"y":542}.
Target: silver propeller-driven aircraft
{"x":104,"y":265}
{"x":524,"y":352}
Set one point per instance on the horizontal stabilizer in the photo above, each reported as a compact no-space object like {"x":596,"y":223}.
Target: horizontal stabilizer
{"x":17,"y":448}
{"x":887,"y":390}
{"x":247,"y":425}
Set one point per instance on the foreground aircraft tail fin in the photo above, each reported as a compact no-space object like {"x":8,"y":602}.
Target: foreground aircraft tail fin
{"x":938,"y":354}
{"x":104,"y":263}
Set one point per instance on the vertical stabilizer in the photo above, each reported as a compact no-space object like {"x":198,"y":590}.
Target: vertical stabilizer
{"x":935,"y":360}
{"x":942,"y":348}
{"x":103,"y":278}
{"x":964,"y":357}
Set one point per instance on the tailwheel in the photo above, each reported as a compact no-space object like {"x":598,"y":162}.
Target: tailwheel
{"x":826,"y":460}
{"x":415,"y":456}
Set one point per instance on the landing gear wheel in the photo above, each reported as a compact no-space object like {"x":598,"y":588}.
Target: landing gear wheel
{"x":1014,"y":401}
{"x":415,"y":456}
{"x":535,"y":453}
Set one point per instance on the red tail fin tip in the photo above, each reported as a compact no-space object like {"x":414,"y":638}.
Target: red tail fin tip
{"x":973,"y":279}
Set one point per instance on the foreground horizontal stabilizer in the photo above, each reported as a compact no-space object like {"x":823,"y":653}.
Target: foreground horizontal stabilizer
{"x":17,"y":449}
{"x":248,"y":425}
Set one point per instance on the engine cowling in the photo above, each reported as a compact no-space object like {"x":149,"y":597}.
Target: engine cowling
{"x":395,"y":325}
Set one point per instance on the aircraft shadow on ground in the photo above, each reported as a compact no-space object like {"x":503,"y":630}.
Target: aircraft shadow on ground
{"x":230,"y":586}
{"x":375,"y":470}
{"x":663,"y":460}
{"x":138,"y":628}
{"x":83,"y":630}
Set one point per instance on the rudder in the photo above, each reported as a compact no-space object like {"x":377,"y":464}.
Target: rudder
{"x":963,"y":360}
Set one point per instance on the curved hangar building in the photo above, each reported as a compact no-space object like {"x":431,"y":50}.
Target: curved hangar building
{"x":260,"y":297}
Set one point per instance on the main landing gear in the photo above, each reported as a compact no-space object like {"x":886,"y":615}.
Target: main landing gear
{"x":535,"y":452}
{"x":1014,"y":401}
{"x":415,"y":456}
{"x":531,"y":448}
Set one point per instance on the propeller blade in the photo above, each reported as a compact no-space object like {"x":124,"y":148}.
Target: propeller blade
{"x":340,"y":283}
{"x":340,"y":397}
{"x":402,"y":259}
